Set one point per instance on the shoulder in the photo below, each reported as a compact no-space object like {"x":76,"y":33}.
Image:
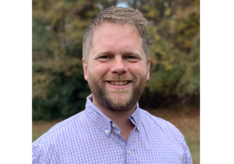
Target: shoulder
{"x":60,"y":133}
{"x":165,"y":134}
{"x":64,"y":128}
{"x":163,"y":130}
{"x":54,"y":144}
{"x":160,"y":124}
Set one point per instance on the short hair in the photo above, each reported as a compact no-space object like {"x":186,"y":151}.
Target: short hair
{"x":117,"y":15}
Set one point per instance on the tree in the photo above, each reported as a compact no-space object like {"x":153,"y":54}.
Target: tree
{"x":175,"y":51}
{"x":59,"y":89}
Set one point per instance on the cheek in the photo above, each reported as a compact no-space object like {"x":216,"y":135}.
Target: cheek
{"x":139,"y":70}
{"x":99,"y":70}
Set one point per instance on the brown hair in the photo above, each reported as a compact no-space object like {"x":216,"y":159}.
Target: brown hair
{"x":117,"y":15}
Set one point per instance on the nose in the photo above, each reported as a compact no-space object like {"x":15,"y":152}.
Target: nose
{"x":119,"y":66}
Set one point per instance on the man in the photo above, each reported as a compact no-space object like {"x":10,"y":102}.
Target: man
{"x":112,"y":128}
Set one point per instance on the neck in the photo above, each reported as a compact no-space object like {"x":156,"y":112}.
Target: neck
{"x":120,"y":118}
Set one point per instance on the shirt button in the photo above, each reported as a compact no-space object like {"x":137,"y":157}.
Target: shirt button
{"x":129,"y":151}
{"x":107,"y":131}
{"x":138,"y":128}
{"x":113,"y":125}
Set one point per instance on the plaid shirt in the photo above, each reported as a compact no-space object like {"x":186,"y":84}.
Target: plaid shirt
{"x":91,"y":137}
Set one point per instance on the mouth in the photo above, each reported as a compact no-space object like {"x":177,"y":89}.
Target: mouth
{"x":119,"y":84}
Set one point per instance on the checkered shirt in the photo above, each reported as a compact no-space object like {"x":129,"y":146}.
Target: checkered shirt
{"x":91,"y":137}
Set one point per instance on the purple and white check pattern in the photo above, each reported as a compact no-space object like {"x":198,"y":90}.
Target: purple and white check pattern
{"x":91,"y":137}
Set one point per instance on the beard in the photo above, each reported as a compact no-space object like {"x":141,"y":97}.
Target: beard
{"x":117,"y":100}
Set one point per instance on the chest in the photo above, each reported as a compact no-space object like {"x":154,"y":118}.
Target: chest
{"x":141,"y":147}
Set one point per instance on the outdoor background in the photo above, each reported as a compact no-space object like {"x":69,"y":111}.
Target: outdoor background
{"x":173,"y":91}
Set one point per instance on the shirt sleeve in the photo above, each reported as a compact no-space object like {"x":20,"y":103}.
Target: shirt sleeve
{"x":37,"y":157}
{"x":187,"y":154}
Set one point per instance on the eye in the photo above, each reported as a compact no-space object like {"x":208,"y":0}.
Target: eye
{"x":104,"y":58}
{"x":132,"y":58}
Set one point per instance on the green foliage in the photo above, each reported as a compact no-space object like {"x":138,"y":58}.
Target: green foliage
{"x":175,"y":50}
{"x":59,"y":88}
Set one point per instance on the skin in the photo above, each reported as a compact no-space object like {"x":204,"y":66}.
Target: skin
{"x":117,"y":55}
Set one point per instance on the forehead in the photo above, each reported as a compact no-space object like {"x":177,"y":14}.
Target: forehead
{"x":116,"y":34}
{"x":110,"y":28}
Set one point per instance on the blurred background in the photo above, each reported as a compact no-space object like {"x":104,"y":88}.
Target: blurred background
{"x":173,"y":91}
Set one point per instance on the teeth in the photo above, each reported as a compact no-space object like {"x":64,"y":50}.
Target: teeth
{"x":118,"y":82}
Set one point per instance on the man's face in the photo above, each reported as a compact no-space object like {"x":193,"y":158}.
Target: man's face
{"x":116,"y":69}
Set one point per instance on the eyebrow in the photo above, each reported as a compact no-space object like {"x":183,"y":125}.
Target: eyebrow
{"x":133,"y":52}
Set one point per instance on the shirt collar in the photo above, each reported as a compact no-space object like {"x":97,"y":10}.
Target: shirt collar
{"x":102,"y":121}
{"x":136,"y":117}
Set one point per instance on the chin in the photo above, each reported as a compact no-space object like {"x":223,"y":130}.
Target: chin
{"x":119,"y":102}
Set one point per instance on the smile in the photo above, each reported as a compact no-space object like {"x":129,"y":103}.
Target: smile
{"x":119,"y":84}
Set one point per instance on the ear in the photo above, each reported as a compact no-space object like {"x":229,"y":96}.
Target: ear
{"x":148,"y":69}
{"x":85,"y":69}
